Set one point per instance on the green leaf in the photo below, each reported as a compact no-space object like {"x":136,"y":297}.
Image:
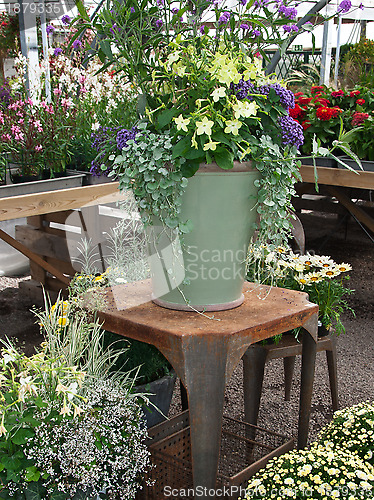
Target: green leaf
{"x":20,"y":437}
{"x":11,"y":462}
{"x":81,"y":9}
{"x":224,"y":159}
{"x":189,"y":168}
{"x":186,"y":227}
{"x":166,"y":116}
{"x":181,"y":147}
{"x":32,"y":473}
{"x":35,"y":491}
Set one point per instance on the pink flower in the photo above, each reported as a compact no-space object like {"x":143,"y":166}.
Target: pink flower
{"x":81,"y":79}
{"x":6,"y":137}
{"x":66,"y":103}
{"x":57,"y":91}
{"x":21,"y":121}
{"x":38,"y":148}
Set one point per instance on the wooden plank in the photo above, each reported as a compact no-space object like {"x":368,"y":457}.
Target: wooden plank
{"x":56,"y":201}
{"x":42,"y":243}
{"x":64,"y":267}
{"x":360,"y":214}
{"x":35,"y":220}
{"x":338,"y":177}
{"x":318,"y":206}
{"x":37,"y":273}
{"x":33,"y":256}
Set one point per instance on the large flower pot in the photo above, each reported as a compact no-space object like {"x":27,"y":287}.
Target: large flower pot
{"x":205,"y":270}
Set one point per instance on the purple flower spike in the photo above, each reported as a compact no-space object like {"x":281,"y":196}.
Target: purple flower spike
{"x":175,"y":10}
{"x":132,"y":10}
{"x":287,"y":29}
{"x":224,"y":19}
{"x":344,"y":6}
{"x":243,"y":2}
{"x":158,"y":23}
{"x":255,"y":33}
{"x":57,"y":51}
{"x":202,"y":29}
{"x":49,"y":29}
{"x":77,"y":44}
{"x":361,"y":6}
{"x":66,"y":19}
{"x":244,"y":26}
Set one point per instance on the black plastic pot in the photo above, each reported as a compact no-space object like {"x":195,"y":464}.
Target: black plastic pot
{"x":160,"y":393}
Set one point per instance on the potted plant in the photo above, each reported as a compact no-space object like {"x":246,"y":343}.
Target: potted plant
{"x":68,"y":430}
{"x":205,"y":100}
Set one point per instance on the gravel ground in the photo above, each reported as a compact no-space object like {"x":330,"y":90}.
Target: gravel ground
{"x":355,"y":348}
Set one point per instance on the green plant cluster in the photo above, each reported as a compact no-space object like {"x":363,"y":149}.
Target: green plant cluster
{"x":146,"y":166}
{"x":359,"y":63}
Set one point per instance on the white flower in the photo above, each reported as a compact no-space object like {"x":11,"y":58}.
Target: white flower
{"x":95,"y":126}
{"x":182,"y":123}
{"x":245,"y":109}
{"x":232,"y":127}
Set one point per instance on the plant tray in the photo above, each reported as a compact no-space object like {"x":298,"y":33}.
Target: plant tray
{"x":41,"y":186}
{"x":245,"y":449}
{"x":367,"y":166}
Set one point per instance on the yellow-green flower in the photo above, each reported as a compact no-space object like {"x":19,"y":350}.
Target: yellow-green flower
{"x":245,"y":109}
{"x":182,"y":123}
{"x":232,"y":127}
{"x":218,"y":93}
{"x":204,"y":127}
{"x":210,"y":145}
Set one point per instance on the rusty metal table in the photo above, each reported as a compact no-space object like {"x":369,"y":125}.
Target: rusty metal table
{"x":204,"y":352}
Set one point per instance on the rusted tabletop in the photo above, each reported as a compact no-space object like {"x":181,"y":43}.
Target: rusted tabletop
{"x":204,"y":351}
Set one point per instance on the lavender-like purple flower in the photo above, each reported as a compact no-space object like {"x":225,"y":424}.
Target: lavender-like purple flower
{"x":124,"y":135}
{"x":361,"y":6}
{"x":242,"y":89}
{"x":245,"y":26}
{"x":202,"y":29}
{"x":115,"y":29}
{"x":49,"y":29}
{"x":287,"y":29}
{"x":344,"y":6}
{"x":255,"y":33}
{"x":175,"y":10}
{"x":160,"y":2}
{"x":66,"y":19}
{"x":243,"y":2}
{"x":158,"y":23}
{"x":290,"y":12}
{"x":57,"y":51}
{"x":257,"y":4}
{"x":77,"y":44}
{"x":225,"y":17}
{"x":292,"y":131}
{"x":132,"y":10}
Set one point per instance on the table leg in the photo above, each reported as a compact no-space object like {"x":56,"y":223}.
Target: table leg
{"x":205,"y":366}
{"x":254,"y":361}
{"x":306,"y":389}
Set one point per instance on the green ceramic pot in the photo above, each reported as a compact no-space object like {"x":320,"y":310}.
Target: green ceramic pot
{"x":206,"y":270}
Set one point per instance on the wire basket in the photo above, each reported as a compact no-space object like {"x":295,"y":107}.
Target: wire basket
{"x":245,"y":449}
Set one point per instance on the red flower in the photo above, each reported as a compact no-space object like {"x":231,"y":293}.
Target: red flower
{"x":306,"y":124}
{"x":298,"y":94}
{"x":316,"y":88}
{"x":360,"y":101}
{"x":304,"y":101}
{"x":354,"y":92}
{"x":322,"y":101}
{"x":337,"y":93}
{"x":296,"y":112}
{"x":324,"y":113}
{"x":335,"y":111}
{"x":359,"y":118}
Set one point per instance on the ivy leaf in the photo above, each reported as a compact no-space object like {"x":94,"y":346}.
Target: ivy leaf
{"x":32,"y":473}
